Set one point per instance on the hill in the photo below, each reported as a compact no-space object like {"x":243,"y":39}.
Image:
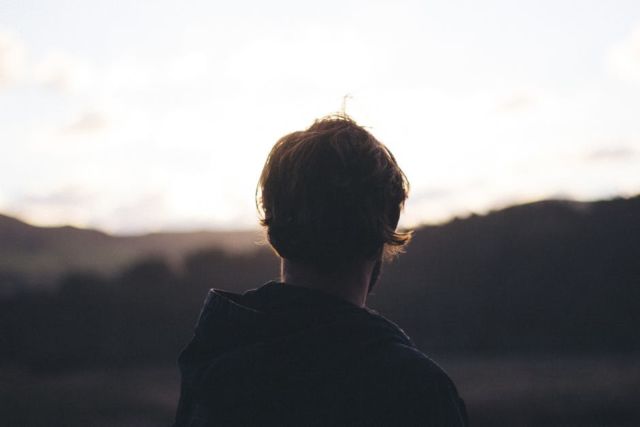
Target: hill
{"x":37,"y":256}
{"x":551,"y":274}
{"x":535,"y":245}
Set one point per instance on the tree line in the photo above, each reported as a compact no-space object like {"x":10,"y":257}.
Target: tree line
{"x":552,"y":277}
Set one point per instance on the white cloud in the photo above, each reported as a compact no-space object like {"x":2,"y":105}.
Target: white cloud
{"x":517,"y":102}
{"x":623,"y":59}
{"x":62,"y":205}
{"x":615,"y":153}
{"x":89,"y":121}
{"x":12,"y":59}
{"x":143,"y":212}
{"x":63,"y":72}
{"x":60,"y":197}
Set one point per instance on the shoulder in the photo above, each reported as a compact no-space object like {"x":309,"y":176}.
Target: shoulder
{"x":404,"y":367}
{"x":402,"y":386}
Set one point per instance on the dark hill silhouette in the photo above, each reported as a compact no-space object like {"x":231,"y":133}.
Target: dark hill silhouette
{"x":38,"y":256}
{"x":525,"y":277}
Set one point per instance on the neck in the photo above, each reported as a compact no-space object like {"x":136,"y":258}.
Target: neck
{"x":351,"y":285}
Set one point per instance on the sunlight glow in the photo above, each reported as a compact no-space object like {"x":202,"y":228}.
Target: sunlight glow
{"x":132,"y":126}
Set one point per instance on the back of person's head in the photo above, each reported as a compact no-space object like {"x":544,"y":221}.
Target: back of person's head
{"x":331,"y":196}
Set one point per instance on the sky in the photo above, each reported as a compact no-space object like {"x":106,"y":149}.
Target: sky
{"x":134,"y":117}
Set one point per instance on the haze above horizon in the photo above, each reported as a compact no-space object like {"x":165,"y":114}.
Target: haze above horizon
{"x":140,"y":116}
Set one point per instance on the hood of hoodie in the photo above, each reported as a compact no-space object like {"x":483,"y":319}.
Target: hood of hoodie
{"x":277,"y":337}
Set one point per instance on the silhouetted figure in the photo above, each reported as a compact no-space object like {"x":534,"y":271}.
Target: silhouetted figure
{"x":305,"y":350}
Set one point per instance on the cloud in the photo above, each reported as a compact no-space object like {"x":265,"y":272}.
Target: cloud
{"x":516,"y":102}
{"x":90,"y":121}
{"x":12,"y":60}
{"x":431,"y":194}
{"x":63,"y":72}
{"x":619,"y":153}
{"x":83,"y":207}
{"x":57,"y":70}
{"x":144,"y":212}
{"x":67,"y":196}
{"x":623,"y":59}
{"x":64,"y":205}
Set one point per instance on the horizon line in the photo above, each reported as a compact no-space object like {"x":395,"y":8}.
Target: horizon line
{"x":257,"y":228}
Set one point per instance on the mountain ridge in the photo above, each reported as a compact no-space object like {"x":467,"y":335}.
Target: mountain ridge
{"x":41,"y":255}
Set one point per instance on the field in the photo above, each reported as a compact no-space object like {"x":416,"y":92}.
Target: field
{"x":542,"y":391}
{"x":558,"y":392}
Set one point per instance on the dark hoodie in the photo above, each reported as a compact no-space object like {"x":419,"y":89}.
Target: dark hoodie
{"x":285,"y":355}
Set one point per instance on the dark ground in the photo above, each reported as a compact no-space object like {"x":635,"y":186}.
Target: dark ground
{"x":543,"y":391}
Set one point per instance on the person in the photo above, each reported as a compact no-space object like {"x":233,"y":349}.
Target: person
{"x":305,"y":350}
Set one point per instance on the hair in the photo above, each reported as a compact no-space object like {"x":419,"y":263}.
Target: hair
{"x":331,"y":195}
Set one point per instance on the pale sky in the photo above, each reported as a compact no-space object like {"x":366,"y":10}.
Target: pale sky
{"x":148,"y":115}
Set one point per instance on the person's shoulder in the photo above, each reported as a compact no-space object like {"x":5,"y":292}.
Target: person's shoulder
{"x":403,"y":365}
{"x":404,"y":386}
{"x":397,"y":353}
